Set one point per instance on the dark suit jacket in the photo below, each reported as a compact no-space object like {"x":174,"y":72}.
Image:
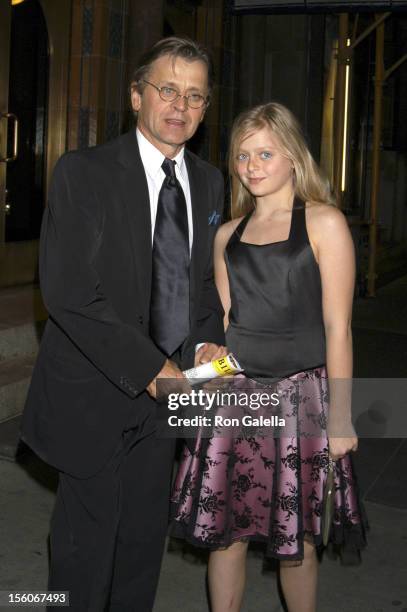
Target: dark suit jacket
{"x":96,"y":356}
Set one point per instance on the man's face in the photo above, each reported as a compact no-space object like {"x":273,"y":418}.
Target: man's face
{"x":168,"y":125}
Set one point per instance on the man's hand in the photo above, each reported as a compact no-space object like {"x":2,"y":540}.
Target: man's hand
{"x":168,"y":371}
{"x":209,"y":351}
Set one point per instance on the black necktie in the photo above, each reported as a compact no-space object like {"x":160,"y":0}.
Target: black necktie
{"x":169,"y":308}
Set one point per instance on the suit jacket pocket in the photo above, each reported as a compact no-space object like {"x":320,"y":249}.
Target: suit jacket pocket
{"x":70,"y":368}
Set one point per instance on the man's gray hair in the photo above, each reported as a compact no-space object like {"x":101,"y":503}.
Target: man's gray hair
{"x":175,"y":47}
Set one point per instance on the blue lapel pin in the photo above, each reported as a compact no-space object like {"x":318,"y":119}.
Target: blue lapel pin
{"x":214,"y":218}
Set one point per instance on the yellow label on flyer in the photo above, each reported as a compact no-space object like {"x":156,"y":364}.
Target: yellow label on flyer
{"x":223,"y":366}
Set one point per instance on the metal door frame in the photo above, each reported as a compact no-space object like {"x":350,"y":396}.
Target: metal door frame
{"x":18,"y":260}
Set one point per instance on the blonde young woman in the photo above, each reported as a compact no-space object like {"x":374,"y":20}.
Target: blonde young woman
{"x":284,"y":268}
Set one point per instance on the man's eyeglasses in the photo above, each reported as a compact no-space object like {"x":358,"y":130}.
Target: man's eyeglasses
{"x":169,"y":94}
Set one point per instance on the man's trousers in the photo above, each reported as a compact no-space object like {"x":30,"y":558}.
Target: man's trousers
{"x":108,"y":531}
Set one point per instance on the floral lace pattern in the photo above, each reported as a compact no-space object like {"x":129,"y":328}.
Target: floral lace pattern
{"x":268,"y":488}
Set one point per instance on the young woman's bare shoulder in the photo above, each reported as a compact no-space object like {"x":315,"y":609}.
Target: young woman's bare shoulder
{"x":226,"y":230}
{"x":324,"y":218}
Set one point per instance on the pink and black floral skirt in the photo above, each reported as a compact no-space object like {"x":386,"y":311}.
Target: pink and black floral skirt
{"x":269,"y":487}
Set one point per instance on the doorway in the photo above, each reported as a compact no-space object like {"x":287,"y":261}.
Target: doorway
{"x":32,"y":125}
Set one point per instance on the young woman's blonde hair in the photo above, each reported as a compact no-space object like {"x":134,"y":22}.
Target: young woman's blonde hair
{"x":309,"y":182}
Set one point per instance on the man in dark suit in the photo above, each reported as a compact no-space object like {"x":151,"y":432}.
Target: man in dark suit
{"x":126,"y":275}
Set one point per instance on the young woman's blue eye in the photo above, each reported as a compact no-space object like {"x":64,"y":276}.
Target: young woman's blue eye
{"x":266,"y":155}
{"x":241,"y":157}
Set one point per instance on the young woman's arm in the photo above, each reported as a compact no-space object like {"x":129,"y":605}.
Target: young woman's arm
{"x":221,"y":274}
{"x":333,"y":247}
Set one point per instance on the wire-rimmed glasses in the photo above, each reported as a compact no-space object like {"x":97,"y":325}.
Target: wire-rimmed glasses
{"x":169,"y":94}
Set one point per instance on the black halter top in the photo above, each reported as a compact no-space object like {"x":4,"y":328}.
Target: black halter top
{"x":275,"y":321}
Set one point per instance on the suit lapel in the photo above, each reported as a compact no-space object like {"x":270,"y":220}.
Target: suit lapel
{"x":198,"y":190}
{"x":137,"y":203}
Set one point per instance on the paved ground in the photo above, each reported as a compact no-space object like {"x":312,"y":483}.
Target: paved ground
{"x":379,"y":584}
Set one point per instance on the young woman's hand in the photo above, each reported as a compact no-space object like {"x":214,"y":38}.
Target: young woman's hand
{"x":339,"y":447}
{"x":209,"y":351}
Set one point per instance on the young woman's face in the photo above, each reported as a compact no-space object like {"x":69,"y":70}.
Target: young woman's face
{"x":261,"y":166}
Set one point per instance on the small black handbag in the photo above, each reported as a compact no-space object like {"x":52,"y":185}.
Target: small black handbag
{"x":328,"y":503}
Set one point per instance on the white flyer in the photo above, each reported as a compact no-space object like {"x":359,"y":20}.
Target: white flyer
{"x":224,"y":366}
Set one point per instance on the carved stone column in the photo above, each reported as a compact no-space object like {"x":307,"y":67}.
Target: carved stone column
{"x":107,"y":37}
